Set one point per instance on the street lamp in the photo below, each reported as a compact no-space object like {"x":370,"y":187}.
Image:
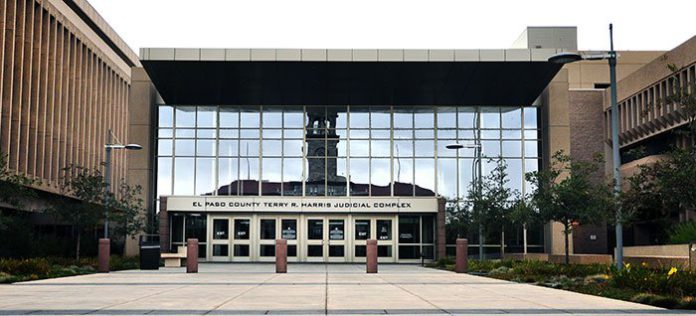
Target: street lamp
{"x":109,"y":146}
{"x":564,"y":58}
{"x":477,"y":176}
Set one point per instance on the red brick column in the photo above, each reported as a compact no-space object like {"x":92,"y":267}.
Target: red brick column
{"x":192,"y":255}
{"x":164,"y":225}
{"x":281,"y":256}
{"x":462,"y":260}
{"x":372,"y":256}
{"x":104,"y":255}
{"x":441,"y":237}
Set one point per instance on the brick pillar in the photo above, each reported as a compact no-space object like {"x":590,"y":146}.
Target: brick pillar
{"x":441,"y":237}
{"x":372,"y":256}
{"x":462,"y":260}
{"x":104,"y":255}
{"x":164,"y":225}
{"x":281,"y":256}
{"x":192,"y":255}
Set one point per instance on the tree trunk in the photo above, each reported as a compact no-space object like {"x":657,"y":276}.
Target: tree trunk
{"x":77,"y":250}
{"x":567,"y":250}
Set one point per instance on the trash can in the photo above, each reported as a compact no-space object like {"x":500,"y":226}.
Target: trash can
{"x":149,"y":252}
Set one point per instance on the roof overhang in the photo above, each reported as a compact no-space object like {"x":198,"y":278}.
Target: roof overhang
{"x":303,"y":82}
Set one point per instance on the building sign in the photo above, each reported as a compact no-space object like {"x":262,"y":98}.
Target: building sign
{"x":302,"y":204}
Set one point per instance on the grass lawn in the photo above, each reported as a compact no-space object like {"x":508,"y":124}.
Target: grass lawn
{"x":670,"y":287}
{"x":18,"y":270}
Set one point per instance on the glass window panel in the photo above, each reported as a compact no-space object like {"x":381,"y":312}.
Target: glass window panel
{"x":512,"y":148}
{"x":403,"y":148}
{"x":294,"y":118}
{"x":205,"y":176}
{"x":446,"y":118}
{"x":293,"y":133}
{"x":381,"y":148}
{"x":424,"y":148}
{"x":164,"y":176}
{"x":384,"y":229}
{"x":293,"y":148}
{"x":464,"y":134}
{"x":266,"y":250}
{"x":380,"y":118}
{"x":249,"y":168}
{"x":531,"y":148}
{"x":166,"y":116}
{"x":428,"y":252}
{"x":271,"y":169}
{"x":467,"y":117}
{"x":380,"y":173}
{"x":490,"y":134}
{"x":315,"y":251}
{"x":360,"y":133}
{"x":425,"y":177}
{"x":164,"y":147}
{"x":403,"y":120}
{"x":409,"y":229}
{"x":512,"y":117}
{"x":530,"y":165}
{"x":249,"y":133}
{"x":185,"y":147}
{"x":165,"y":133}
{"x":249,"y":147}
{"x":220,"y":250}
{"x":185,"y":133}
{"x":228,"y":147}
{"x":227,"y":174}
{"x":381,"y":133}
{"x":229,"y":133}
{"x":292,"y":169}
{"x":359,"y":117}
{"x":207,"y":116}
{"x":512,"y":134}
{"x":342,"y":148}
{"x":289,"y":229}
{"x":205,"y":147}
{"x":272,"y":133}
{"x":206,"y":133}
{"x":360,"y":171}
{"x":491,"y":149}
{"x":403,"y":177}
{"x":443,"y":151}
{"x":428,"y":229}
{"x":342,"y":118}
{"x":446,"y":183}
{"x":272,"y":118}
{"x":185,"y":116}
{"x":425,"y":119}
{"x":530,"y":134}
{"x":241,"y":229}
{"x":177,"y":228}
{"x":272,"y":147}
{"x":337,"y":182}
{"x":424,"y":133}
{"x":196,"y":228}
{"x":229,"y":117}
{"x":315,"y":229}
{"x":250,"y":119}
{"x":360,"y":148}
{"x":384,"y":251}
{"x":490,"y":117}
{"x":336,"y":229}
{"x":403,"y":134}
{"x":221,"y":229}
{"x":362,"y":229}
{"x":241,"y":250}
{"x":466,"y":170}
{"x":268,"y":229}
{"x":336,"y":250}
{"x":447,"y":134}
{"x":530,"y":117}
{"x":360,"y":251}
{"x":515,"y":174}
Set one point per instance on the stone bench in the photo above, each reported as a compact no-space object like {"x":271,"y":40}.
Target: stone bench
{"x":176,"y":259}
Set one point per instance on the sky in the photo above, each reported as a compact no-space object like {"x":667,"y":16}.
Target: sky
{"x":448,"y":24}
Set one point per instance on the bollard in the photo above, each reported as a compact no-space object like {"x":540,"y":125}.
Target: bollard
{"x":281,"y":255}
{"x":104,"y":255}
{"x":462,"y":260}
{"x":692,"y":256}
{"x":371,"y":256}
{"x":192,"y":255}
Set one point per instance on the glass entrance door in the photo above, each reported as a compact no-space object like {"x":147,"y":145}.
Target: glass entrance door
{"x":379,"y":228}
{"x":326,"y":239}
{"x":221,"y":239}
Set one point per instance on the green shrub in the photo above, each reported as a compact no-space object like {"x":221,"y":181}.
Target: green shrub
{"x":683,"y":233}
{"x":38,"y":266}
{"x":656,"y":300}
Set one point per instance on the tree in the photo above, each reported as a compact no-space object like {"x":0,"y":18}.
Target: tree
{"x":126,"y":210}
{"x":523,"y":212}
{"x":87,"y":209}
{"x":565,"y":193}
{"x":14,"y":187}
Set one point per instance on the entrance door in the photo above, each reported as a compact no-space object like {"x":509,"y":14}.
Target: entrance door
{"x":220,"y":239}
{"x":379,"y":228}
{"x":326,"y":239}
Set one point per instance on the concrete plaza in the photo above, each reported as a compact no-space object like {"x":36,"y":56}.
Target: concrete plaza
{"x":307,"y":289}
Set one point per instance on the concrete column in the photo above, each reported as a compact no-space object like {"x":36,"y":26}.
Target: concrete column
{"x":104,"y":255}
{"x":372,"y":256}
{"x":192,"y":255}
{"x":281,"y":255}
{"x":462,"y":259}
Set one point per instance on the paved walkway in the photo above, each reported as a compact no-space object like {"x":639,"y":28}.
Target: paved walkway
{"x":308,"y":289}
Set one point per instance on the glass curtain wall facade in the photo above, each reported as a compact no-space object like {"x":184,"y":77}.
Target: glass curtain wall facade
{"x":339,"y":151}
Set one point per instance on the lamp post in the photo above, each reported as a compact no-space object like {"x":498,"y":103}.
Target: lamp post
{"x":477,"y":176}
{"x":109,"y":146}
{"x":610,"y":56}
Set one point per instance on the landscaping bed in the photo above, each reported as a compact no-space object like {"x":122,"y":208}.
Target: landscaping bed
{"x":18,"y":270}
{"x":667,"y":287}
